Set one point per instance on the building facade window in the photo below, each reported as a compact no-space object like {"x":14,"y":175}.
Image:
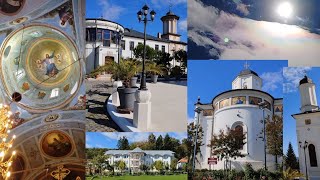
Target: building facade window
{"x":156,"y":47}
{"x":123,"y":44}
{"x":131,"y":45}
{"x":163,"y":48}
{"x":91,"y":35}
{"x":312,"y":155}
{"x":239,"y":129}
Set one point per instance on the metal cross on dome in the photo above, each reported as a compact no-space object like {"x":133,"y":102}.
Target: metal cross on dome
{"x":246,"y":65}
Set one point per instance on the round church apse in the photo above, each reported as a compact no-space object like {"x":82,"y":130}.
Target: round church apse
{"x":42,"y":64}
{"x":56,"y":144}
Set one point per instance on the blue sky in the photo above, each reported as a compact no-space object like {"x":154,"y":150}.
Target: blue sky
{"x":292,"y":76}
{"x":110,"y":140}
{"x":124,"y":12}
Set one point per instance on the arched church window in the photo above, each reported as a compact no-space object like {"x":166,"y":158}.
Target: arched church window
{"x":239,"y":129}
{"x":312,"y":155}
{"x":54,"y":92}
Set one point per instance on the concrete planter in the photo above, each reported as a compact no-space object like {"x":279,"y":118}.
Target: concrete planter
{"x":133,"y":81}
{"x":127,"y":97}
{"x":154,"y":78}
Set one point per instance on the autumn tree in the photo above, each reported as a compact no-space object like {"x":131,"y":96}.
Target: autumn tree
{"x":159,"y":166}
{"x":190,"y":142}
{"x":228,"y":144}
{"x":291,"y":160}
{"x":173,"y":165}
{"x":123,"y":143}
{"x":274,"y":136}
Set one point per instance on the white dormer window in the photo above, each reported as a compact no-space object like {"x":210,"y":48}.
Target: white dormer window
{"x":54,"y":92}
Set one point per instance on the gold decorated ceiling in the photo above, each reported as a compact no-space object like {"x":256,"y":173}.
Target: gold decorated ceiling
{"x":42,"y":64}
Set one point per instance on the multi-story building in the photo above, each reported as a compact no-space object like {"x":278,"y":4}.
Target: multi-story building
{"x":137,"y":157}
{"x":103,"y":42}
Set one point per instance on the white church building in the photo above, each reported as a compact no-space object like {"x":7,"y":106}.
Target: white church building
{"x":136,"y":157}
{"x":102,"y":46}
{"x":308,"y":130}
{"x":238,"y":109}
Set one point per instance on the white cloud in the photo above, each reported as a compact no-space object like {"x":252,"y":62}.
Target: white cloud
{"x":88,"y":145}
{"x":109,"y":10}
{"x":272,"y":80}
{"x":183,"y":25}
{"x":243,"y":8}
{"x":250,"y":39}
{"x":292,"y":77}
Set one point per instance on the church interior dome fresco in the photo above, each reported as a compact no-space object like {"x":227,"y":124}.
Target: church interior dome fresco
{"x":42,"y":64}
{"x":41,"y":74}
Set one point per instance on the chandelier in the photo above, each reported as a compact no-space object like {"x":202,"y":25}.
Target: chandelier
{"x":6,"y":154}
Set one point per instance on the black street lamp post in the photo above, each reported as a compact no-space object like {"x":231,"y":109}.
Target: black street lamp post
{"x":143,"y":16}
{"x":263,"y":106}
{"x":304,"y":146}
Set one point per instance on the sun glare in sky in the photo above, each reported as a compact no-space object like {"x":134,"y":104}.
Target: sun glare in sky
{"x":285,"y":9}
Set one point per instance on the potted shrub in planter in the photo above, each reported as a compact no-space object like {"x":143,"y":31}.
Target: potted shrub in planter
{"x":177,"y":72}
{"x":154,"y":70}
{"x":125,"y":70}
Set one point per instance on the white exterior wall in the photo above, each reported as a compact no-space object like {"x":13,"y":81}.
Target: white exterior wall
{"x":311,"y":134}
{"x":252,"y":82}
{"x":127,"y":53}
{"x":248,"y":115}
{"x":308,"y":97}
{"x":147,"y":160}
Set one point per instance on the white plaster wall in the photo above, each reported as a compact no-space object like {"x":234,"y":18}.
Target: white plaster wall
{"x":251,"y":117}
{"x":311,"y":134}
{"x":252,"y":82}
{"x":127,"y":53}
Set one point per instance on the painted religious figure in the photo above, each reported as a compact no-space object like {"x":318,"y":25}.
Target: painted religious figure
{"x":11,"y":6}
{"x":238,"y":100}
{"x":51,"y":69}
{"x":254,"y":100}
{"x":224,"y":103}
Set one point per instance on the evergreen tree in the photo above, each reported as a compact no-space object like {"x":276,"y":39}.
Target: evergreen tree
{"x":159,"y":143}
{"x":152,"y":141}
{"x":167,"y":145}
{"x":123,"y":143}
{"x":291,"y":160}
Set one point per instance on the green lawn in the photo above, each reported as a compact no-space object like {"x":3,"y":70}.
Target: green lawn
{"x":144,"y":177}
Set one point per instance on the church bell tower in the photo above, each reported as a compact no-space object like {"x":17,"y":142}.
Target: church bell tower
{"x":170,"y":21}
{"x":308,"y":95}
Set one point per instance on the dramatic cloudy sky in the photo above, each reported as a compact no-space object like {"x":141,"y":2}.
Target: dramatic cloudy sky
{"x":253,"y":29}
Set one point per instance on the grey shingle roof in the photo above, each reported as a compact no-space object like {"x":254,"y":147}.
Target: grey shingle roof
{"x":137,"y":34}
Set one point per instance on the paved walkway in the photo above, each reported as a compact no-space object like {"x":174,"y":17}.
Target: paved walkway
{"x":96,"y":118}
